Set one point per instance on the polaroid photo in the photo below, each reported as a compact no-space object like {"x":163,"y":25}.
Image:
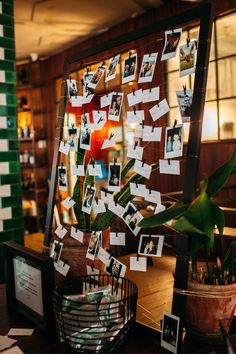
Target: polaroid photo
{"x":99,"y":119}
{"x":151,"y":245}
{"x":172,"y":39}
{"x":170,"y":332}
{"x":85,"y":138}
{"x":73,"y":138}
{"x":115,"y":268}
{"x":132,"y":217}
{"x":86,"y":79}
{"x":112,"y":68}
{"x":115,"y":106}
{"x":129,"y":71}
{"x":96,"y":77}
{"x":88,"y":199}
{"x":185,"y":99}
{"x":173,"y":141}
{"x":114,"y":177}
{"x":72,"y":88}
{"x":62,"y":178}
{"x":85,"y":120}
{"x":187,"y":59}
{"x":94,"y":244}
{"x":56,"y":250}
{"x":147,"y":67}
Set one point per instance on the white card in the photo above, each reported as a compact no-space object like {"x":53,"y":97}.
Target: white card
{"x":142,"y":169}
{"x":13,"y":350}
{"x":62,"y":267}
{"x":170,"y":167}
{"x":116,"y":208}
{"x":1,"y":30}
{"x":78,"y":170}
{"x":1,"y":225}
{"x":77,"y":234}
{"x":138,"y":263}
{"x":87,"y":98}
{"x":5,"y":213}
{"x":20,"y":332}
{"x":3,"y":120}
{"x":137,"y":189}
{"x":64,"y":147}
{"x":5,"y":190}
{"x":135,"y":116}
{"x":99,"y":119}
{"x":2,"y":54}
{"x":68,"y":203}
{"x":2,"y":76}
{"x":139,"y":131}
{"x":103,"y":255}
{"x":159,"y":208}
{"x":153,"y":196}
{"x":147,"y":67}
{"x":3,"y":99}
{"x":61,"y":231}
{"x":135,"y":97}
{"x":4,"y":145}
{"x":159,"y":109}
{"x":117,"y":238}
{"x":92,"y":270}
{"x":151,"y":134}
{"x":4,"y":168}
{"x":0,"y":7}
{"x":106,"y":100}
{"x":135,"y":152}
{"x":109,"y":142}
{"x":95,"y":170}
{"x":99,"y":206}
{"x":152,"y":94}
{"x":77,"y":101}
{"x":106,"y":197}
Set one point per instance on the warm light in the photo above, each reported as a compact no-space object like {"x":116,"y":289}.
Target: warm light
{"x":210,"y":128}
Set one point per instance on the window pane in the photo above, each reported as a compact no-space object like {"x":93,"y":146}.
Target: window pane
{"x":175,"y":82}
{"x":227,"y":119}
{"x":226,"y":35}
{"x":210,"y":127}
{"x":211,"y":82}
{"x":194,"y":33}
{"x":173,"y":63}
{"x":227,"y":73}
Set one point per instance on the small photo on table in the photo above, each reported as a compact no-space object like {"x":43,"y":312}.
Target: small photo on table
{"x":172,"y":38}
{"x":115,"y":268}
{"x":115,"y":106}
{"x":151,"y":245}
{"x":185,"y":99}
{"x":72,"y":88}
{"x":94,"y":244}
{"x":170,"y":332}
{"x":62,"y":178}
{"x":147,"y":67}
{"x":187,"y":59}
{"x":114,"y":177}
{"x":130,"y":66}
{"x":174,"y":142}
{"x":88,"y":199}
{"x":85,"y":138}
{"x":112,"y":68}
{"x":96,"y":77}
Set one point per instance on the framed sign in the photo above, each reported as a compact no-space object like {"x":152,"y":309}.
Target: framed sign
{"x":29,"y":283}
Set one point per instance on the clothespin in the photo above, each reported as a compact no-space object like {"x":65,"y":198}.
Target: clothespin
{"x":135,"y":144}
{"x":133,"y":89}
{"x":100,"y":120}
{"x":187,"y":41}
{"x":116,"y":234}
{"x":168,"y":161}
{"x":130,"y":53}
{"x":175,"y":122}
{"x":70,"y":78}
{"x":65,"y":142}
{"x":92,"y":184}
{"x":62,"y":227}
{"x":184,"y":88}
{"x":143,"y":124}
{"x":150,"y":191}
{"x":72,"y":125}
{"x":70,"y":199}
{"x":115,"y":160}
{"x":134,"y":108}
{"x":103,"y":63}
{"x":137,"y":257}
{"x":92,"y":267}
{"x":196,"y":45}
{"x":153,"y":127}
{"x":172,"y":30}
{"x":111,"y":136}
{"x":60,"y":198}
{"x":149,"y":55}
{"x":62,"y":164}
{"x":143,"y":162}
{"x":87,"y":69}
{"x":136,"y":184}
{"x":150,"y":88}
{"x":96,"y":199}
{"x":158,"y":104}
{"x":93,"y":163}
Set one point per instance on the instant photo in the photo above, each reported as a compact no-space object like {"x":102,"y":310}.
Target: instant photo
{"x":72,"y":138}
{"x":62,"y":178}
{"x":172,"y":39}
{"x":147,"y":67}
{"x":88,"y":199}
{"x":187,"y":59}
{"x":174,"y":142}
{"x":115,"y":268}
{"x":132,"y":217}
{"x":56,"y":250}
{"x":130,"y":65}
{"x":85,"y":138}
{"x":170,"y":332}
{"x":72,"y":88}
{"x":112,"y":68}
{"x":85,"y":120}
{"x":94,"y":244}
{"x":96,"y":77}
{"x":185,"y":98}
{"x":114,"y":177}
{"x":151,"y":245}
{"x":115,"y":106}
{"x":86,"y":79}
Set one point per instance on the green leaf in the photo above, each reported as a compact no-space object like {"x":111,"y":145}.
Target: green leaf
{"x":127,"y":167}
{"x":183,"y":225}
{"x":218,"y":217}
{"x":78,"y":198}
{"x":229,"y":263}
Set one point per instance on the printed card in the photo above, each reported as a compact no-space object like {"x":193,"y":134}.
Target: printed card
{"x":68,"y":203}
{"x":99,"y":119}
{"x":135,"y":116}
{"x":77,"y":234}
{"x":138,"y":263}
{"x":137,"y":189}
{"x":6,"y":342}
{"x":159,"y":208}
{"x":172,"y":38}
{"x":78,"y":170}
{"x":92,"y":270}
{"x":115,"y":106}
{"x":147,"y":67}
{"x":139,"y":131}
{"x":159,"y":110}
{"x":62,"y":267}
{"x":106,"y":100}
{"x":61,"y":231}
{"x":153,"y":196}
{"x":117,"y":238}
{"x":151,"y":133}
{"x":3,"y":122}
{"x":116,"y":208}
{"x":87,"y":98}
{"x":135,"y":152}
{"x":112,"y":68}
{"x":169,"y":167}
{"x":99,"y":206}
{"x":95,"y":170}
{"x":109,"y":142}
{"x":64,"y":148}
{"x":152,"y":94}
{"x":142,"y":169}
{"x":4,"y":168}
{"x":135,"y":97}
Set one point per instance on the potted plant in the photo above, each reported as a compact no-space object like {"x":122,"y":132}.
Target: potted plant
{"x":198,"y":219}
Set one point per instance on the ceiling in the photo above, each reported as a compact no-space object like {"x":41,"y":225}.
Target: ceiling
{"x":45,"y":27}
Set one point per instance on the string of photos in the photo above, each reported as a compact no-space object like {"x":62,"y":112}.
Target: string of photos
{"x":116,"y":200}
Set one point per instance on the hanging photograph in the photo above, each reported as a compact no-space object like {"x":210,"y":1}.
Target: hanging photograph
{"x":85,"y":138}
{"x":172,"y":38}
{"x":56,"y":250}
{"x":88,"y":199}
{"x":115,"y":106}
{"x":147,"y":67}
{"x":96,"y":77}
{"x":170,"y":332}
{"x":86,"y":79}
{"x":115,"y":268}
{"x":72,"y":138}
{"x":151,"y":245}
{"x":130,"y":65}
{"x":187,"y":59}
{"x":132,"y":217}
{"x":112,"y":68}
{"x":72,"y":88}
{"x":62,"y":178}
{"x":174,"y":141}
{"x":94,"y":244}
{"x":85,"y":120}
{"x":185,"y":98}
{"x":114,"y":177}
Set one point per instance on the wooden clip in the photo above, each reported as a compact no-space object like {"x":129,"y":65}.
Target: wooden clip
{"x":196,"y":45}
{"x":175,"y":122}
{"x":153,"y":127}
{"x":115,"y":160}
{"x":133,"y":89}
{"x":187,"y":41}
{"x":134,"y":108}
{"x":100,"y":120}
{"x":142,"y":124}
{"x":111,"y":136}
{"x":136,"y":184}
{"x":143,"y":162}
{"x":150,"y":191}
{"x":168,"y":161}
{"x":96,"y":199}
{"x":137,"y":257}
{"x":103,"y":63}
{"x":185,"y":88}
{"x":130,"y":53}
{"x":62,"y":227}
{"x":87,"y":69}
{"x":172,"y":30}
{"x":135,"y":144}
{"x":158,"y":104}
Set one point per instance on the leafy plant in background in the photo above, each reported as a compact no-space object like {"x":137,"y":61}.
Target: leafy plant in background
{"x":198,"y":219}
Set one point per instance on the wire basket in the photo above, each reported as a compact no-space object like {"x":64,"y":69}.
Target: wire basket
{"x":95,"y":313}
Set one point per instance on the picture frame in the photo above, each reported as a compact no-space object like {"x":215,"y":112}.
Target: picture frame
{"x":170,"y":332}
{"x":151,"y":245}
{"x":29,"y":278}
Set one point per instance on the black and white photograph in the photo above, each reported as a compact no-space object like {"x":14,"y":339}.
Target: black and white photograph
{"x":96,"y":77}
{"x":56,"y":250}
{"x":86,"y":79}
{"x":114,"y":177}
{"x":85,"y":137}
{"x":88,"y":199}
{"x":62,"y":178}
{"x":115,"y":268}
{"x":151,"y":245}
{"x":147,"y":67}
{"x":185,"y":99}
{"x":172,"y":38}
{"x":174,"y":142}
{"x":132,"y":217}
{"x":72,"y":138}
{"x":187,"y":59}
{"x":94,"y":244}
{"x":115,"y":106}
{"x":112,"y":68}
{"x":72,"y":88}
{"x":129,"y":70}
{"x":170,"y":332}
